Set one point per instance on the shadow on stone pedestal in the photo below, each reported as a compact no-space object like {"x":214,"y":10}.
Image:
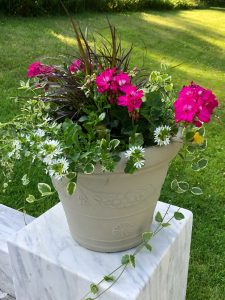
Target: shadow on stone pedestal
{"x":11,"y":221}
{"x":49,"y":265}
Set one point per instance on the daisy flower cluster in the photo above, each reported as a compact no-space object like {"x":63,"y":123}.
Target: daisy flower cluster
{"x":135,"y":156}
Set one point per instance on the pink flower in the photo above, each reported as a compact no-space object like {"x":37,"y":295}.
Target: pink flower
{"x":75,"y":66}
{"x":103,"y":80}
{"x":132,"y":98}
{"x":195,"y":105}
{"x":122,"y":80}
{"x":36,"y":69}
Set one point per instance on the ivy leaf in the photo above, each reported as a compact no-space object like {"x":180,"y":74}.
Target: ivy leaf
{"x":201,"y":164}
{"x":178,"y":216}
{"x":196,"y":190}
{"x":89,"y":169}
{"x":44,"y":189}
{"x":183,"y":185}
{"x":94,"y":288}
{"x":83,"y":118}
{"x":132,"y":260}
{"x":102,"y":116}
{"x":146,"y":236}
{"x":71,"y":175}
{"x":125,"y":259}
{"x":114,"y":143}
{"x":179,"y":186}
{"x":158,"y":217}
{"x":25,"y":180}
{"x":201,"y":131}
{"x":71,"y":187}
{"x":165,"y":224}
{"x":30,"y":199}
{"x":189,"y":136}
{"x":148,"y":247}
{"x":109,"y":278}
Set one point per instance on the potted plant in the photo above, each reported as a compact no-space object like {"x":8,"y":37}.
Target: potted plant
{"x":105,"y":133}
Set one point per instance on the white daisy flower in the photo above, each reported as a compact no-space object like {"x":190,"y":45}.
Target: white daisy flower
{"x":50,"y":149}
{"x":16,"y":150}
{"x":17,"y":145}
{"x":162,"y":135}
{"x":134,"y":150}
{"x":139,"y":164}
{"x":58,"y":168}
{"x":39,"y":132}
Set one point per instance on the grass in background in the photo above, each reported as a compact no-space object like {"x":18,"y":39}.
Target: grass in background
{"x":194,"y":38}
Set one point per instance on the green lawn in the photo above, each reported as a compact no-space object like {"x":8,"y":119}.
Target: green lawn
{"x":194,"y":38}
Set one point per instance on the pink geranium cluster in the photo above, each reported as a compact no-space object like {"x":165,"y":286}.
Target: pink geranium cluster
{"x":195,"y":105}
{"x":37,"y":69}
{"x":75,"y":66}
{"x":119,"y":89}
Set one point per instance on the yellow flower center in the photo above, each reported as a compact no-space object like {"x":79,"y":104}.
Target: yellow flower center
{"x":198,"y":139}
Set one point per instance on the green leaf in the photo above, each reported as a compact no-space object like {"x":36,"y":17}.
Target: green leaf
{"x":102,"y":116}
{"x":178,"y":216}
{"x":165,"y":224}
{"x":158,"y":217}
{"x":114,"y":143}
{"x":183,"y":185}
{"x":94,"y":288}
{"x":83,"y":118}
{"x":109,"y":278}
{"x":168,"y":87}
{"x":44,"y":189}
{"x":30,"y":199}
{"x":179,"y":186}
{"x":132,"y":260}
{"x":146,"y":236}
{"x":71,"y":175}
{"x":196,"y":190}
{"x":148,"y":247}
{"x":25,"y":180}
{"x":189,"y":136}
{"x":89,"y":169}
{"x":201,"y":131}
{"x":125,"y":259}
{"x":71,"y":187}
{"x":201,"y":164}
{"x":191,"y":149}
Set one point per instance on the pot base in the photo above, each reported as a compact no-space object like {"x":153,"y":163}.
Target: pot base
{"x":111,"y":249}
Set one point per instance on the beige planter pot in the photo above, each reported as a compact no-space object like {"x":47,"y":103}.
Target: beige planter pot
{"x":110,"y":211}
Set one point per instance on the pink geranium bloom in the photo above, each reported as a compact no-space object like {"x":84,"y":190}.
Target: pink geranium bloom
{"x":75,"y":66}
{"x":132,"y":98}
{"x":104,"y":79}
{"x":122,"y":80}
{"x":37,"y":69}
{"x":195,"y":105}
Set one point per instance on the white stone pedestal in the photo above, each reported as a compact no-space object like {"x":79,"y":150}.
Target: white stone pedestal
{"x":10,"y":222}
{"x":49,"y":265}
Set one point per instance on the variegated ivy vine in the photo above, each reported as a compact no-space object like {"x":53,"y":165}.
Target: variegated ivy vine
{"x":129,"y":260}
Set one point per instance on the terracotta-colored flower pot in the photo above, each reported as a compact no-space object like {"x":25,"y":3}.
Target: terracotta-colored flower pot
{"x":110,"y":211}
